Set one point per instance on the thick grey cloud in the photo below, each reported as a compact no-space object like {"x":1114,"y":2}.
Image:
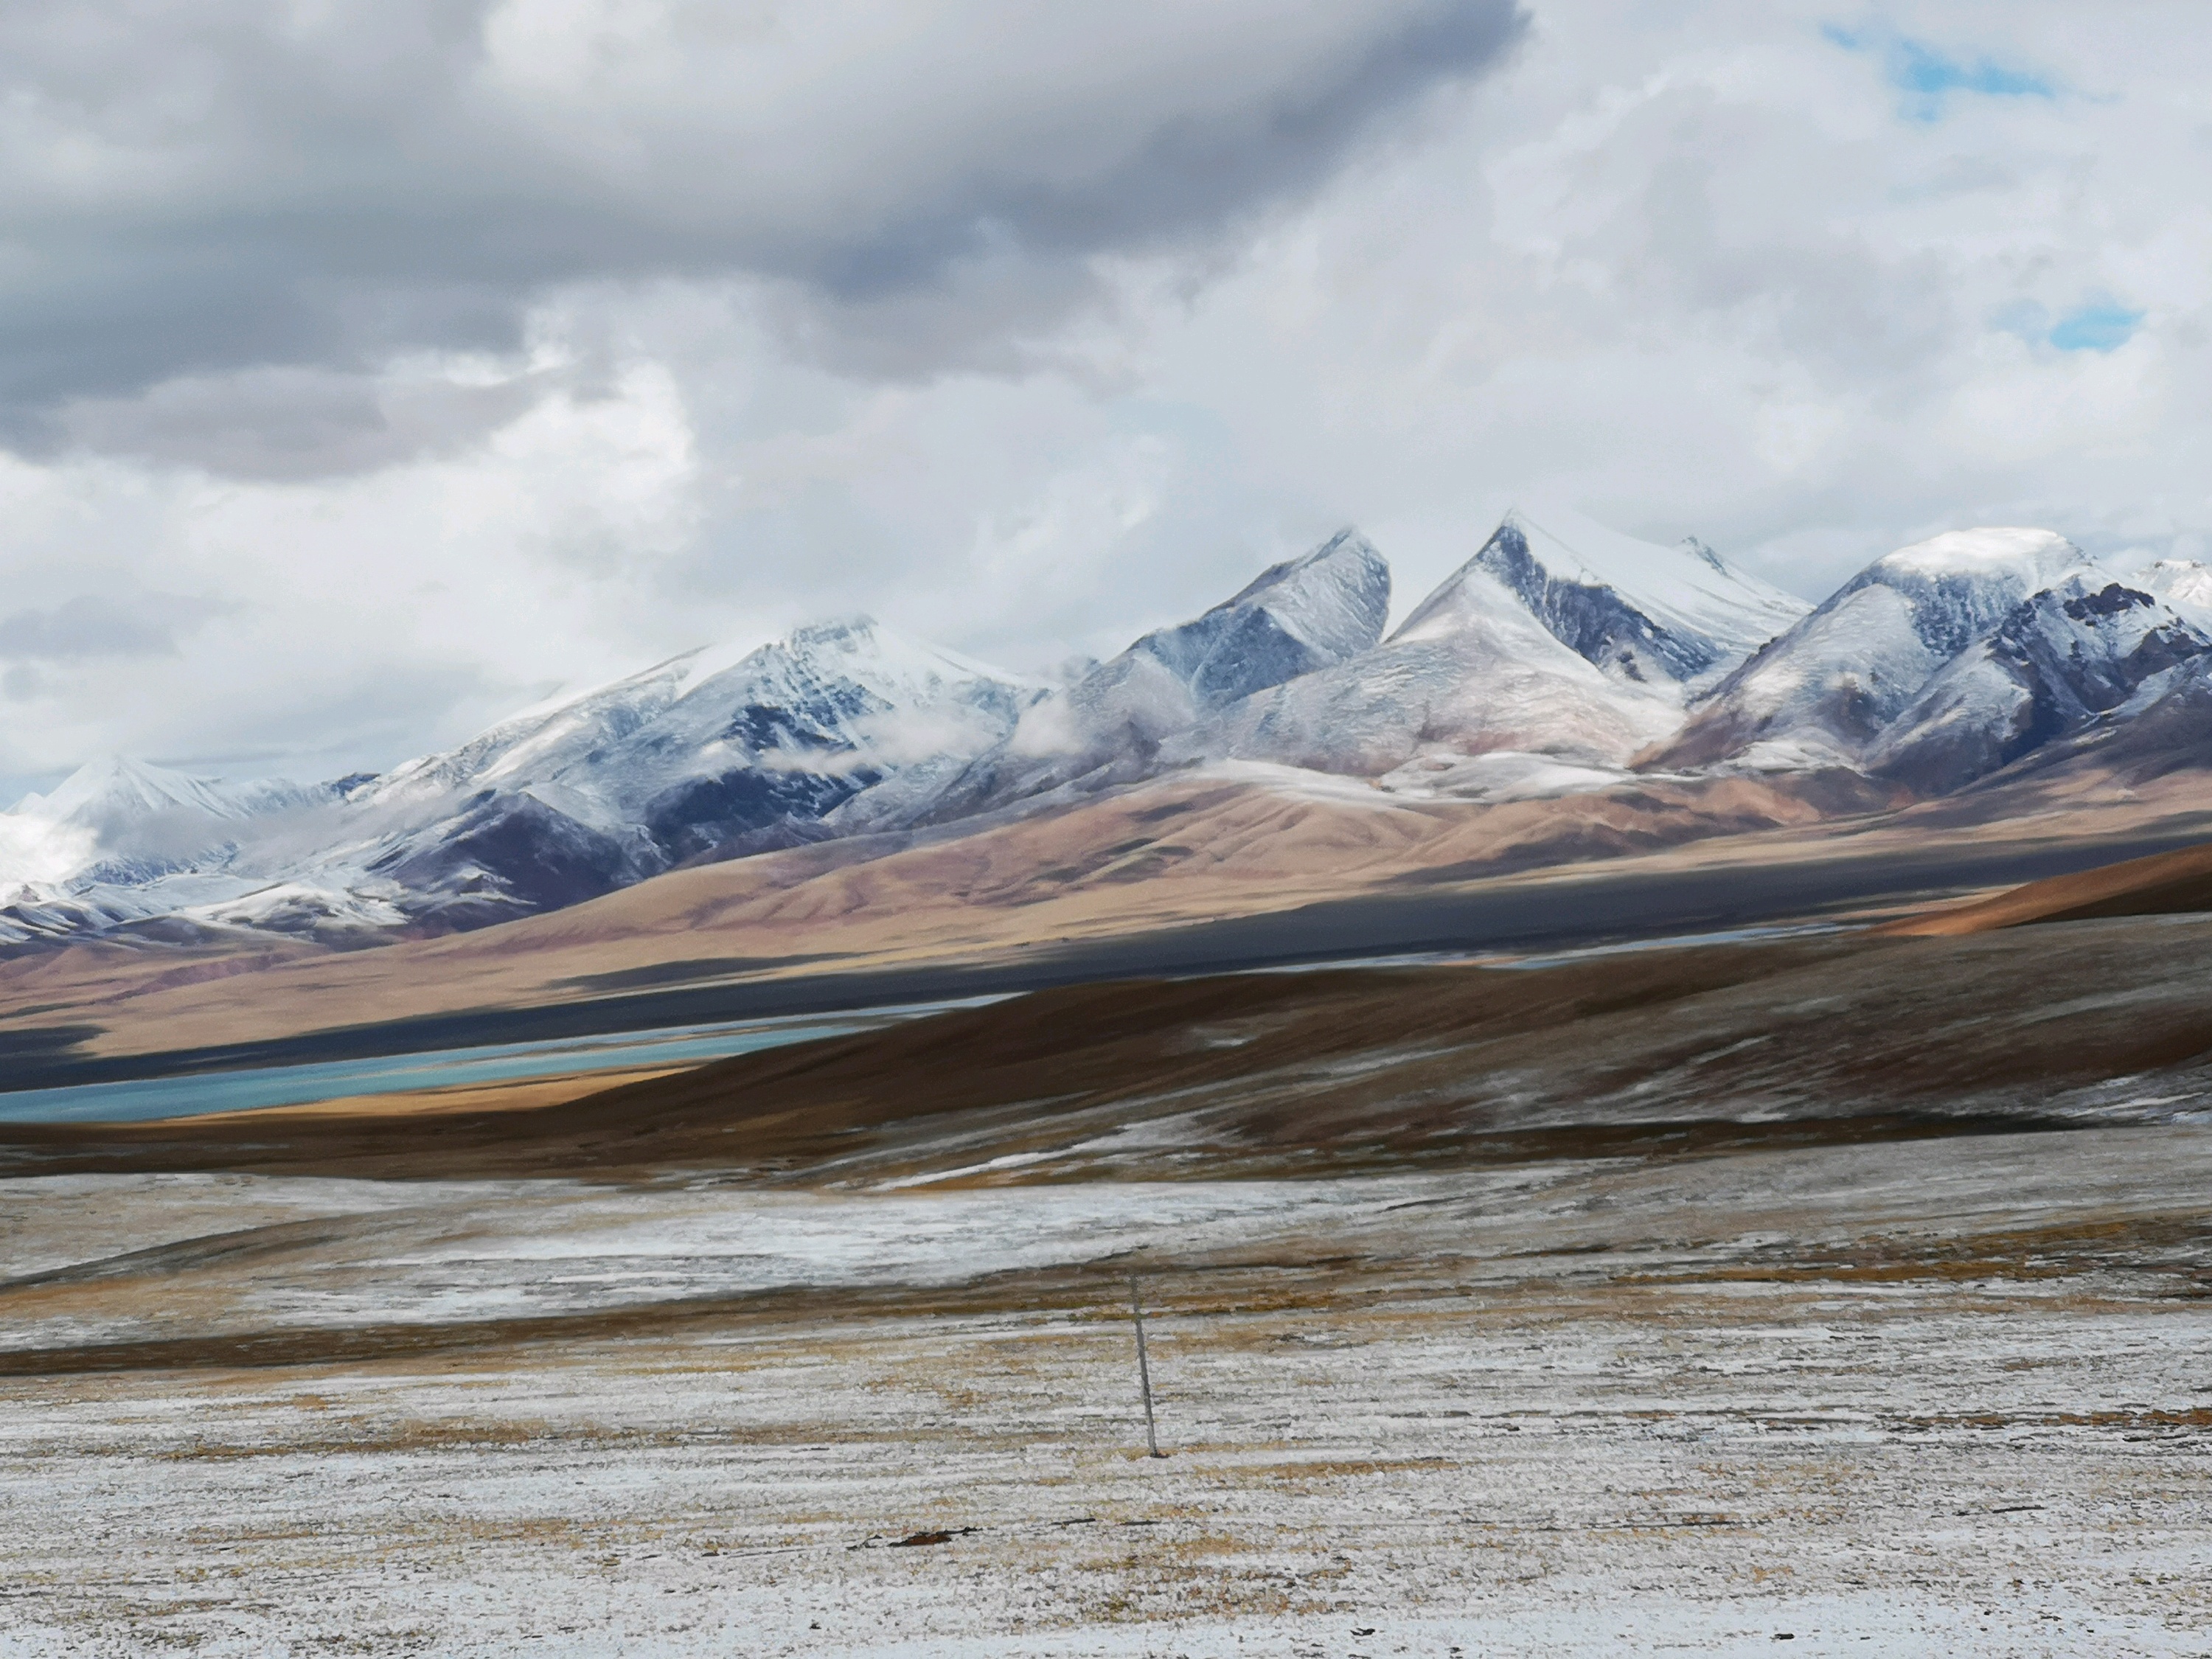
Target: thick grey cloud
{"x":1028,"y":328}
{"x":251,"y":201}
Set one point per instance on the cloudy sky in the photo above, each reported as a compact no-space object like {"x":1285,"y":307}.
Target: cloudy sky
{"x":369,"y":369}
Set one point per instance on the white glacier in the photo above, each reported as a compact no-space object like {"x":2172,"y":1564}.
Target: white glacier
{"x":2184,"y":583}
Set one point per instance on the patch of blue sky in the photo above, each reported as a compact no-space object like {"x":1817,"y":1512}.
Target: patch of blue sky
{"x":2095,"y":325}
{"x":2101,"y":327}
{"x":1925,"y":78}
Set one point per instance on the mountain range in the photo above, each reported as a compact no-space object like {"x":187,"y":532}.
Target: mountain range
{"x":1562,"y":661}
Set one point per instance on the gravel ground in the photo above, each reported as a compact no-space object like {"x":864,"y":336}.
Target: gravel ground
{"x":1948,"y":1396}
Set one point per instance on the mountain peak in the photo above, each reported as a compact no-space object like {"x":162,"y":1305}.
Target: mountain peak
{"x":2184,"y":583}
{"x":2038,"y":557}
{"x":1640,"y":611}
{"x":2063,"y":655}
{"x":109,"y":787}
{"x":1293,"y":617}
{"x":834,"y":633}
{"x":1824,"y":691}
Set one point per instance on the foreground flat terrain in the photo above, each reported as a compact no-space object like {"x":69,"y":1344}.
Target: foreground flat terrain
{"x":1849,"y":1288}
{"x":1924,"y":1396}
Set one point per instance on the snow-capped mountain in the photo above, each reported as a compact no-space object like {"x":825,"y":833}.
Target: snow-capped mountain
{"x":577,"y":796}
{"x":2184,"y":583}
{"x":1472,"y":670}
{"x":1293,"y":620}
{"x":701,"y":748}
{"x":569,"y":799}
{"x":1822,"y":692}
{"x":122,"y":841}
{"x":2077,"y":648}
{"x":1561,"y":659}
{"x":1639,"y":611}
{"x":114,"y":818}
{"x":111,"y":791}
{"x":1561,"y":640}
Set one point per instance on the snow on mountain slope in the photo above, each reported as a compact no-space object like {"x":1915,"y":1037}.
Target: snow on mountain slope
{"x":121,"y":842}
{"x":2076,"y":649}
{"x":1555,"y":662}
{"x":1472,"y":670}
{"x":1292,"y":619}
{"x":691,"y":748}
{"x":798,"y":727}
{"x":113,"y":791}
{"x":2184,"y":583}
{"x":1639,"y":611}
{"x":1303,"y":614}
{"x":1823,"y":691}
{"x":113,"y":814}
{"x":567,"y":800}
{"x":2164,"y":728}
{"x":1297,"y":617}
{"x":575,"y":797}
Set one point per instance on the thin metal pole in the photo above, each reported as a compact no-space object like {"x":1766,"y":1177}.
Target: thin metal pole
{"x":1144,"y":1372}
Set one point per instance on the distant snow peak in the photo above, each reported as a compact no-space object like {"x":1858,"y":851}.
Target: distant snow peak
{"x":1641,"y":613}
{"x":1958,"y":585}
{"x":2014,"y":554}
{"x":2062,"y":656}
{"x":1559,"y":660}
{"x":1293,"y":617}
{"x":1856,"y":682}
{"x":687,"y":760}
{"x":84,"y":857}
{"x":1472,"y":670}
{"x":114,"y":789}
{"x":2184,"y":583}
{"x":571,"y":797}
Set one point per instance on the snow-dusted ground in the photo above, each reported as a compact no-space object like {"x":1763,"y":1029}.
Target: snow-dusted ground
{"x":1930,"y":1397}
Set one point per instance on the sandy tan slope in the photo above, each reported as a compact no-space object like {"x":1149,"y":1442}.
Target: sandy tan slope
{"x":2164,"y":883}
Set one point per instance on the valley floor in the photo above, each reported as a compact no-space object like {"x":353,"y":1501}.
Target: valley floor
{"x":1949,"y":1395}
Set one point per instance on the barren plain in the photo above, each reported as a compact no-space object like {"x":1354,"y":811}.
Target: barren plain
{"x":1836,"y":1290}
{"x":1906,"y":1397}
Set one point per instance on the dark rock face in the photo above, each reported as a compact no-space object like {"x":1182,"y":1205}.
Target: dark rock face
{"x":2171,"y":731}
{"x":505,"y":856}
{"x":2057,"y":661}
{"x":1592,"y":621}
{"x":705,"y":813}
{"x":1297,"y":617}
{"x":814,"y":725}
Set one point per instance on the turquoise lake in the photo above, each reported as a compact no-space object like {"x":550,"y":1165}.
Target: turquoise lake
{"x":142,"y":1099}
